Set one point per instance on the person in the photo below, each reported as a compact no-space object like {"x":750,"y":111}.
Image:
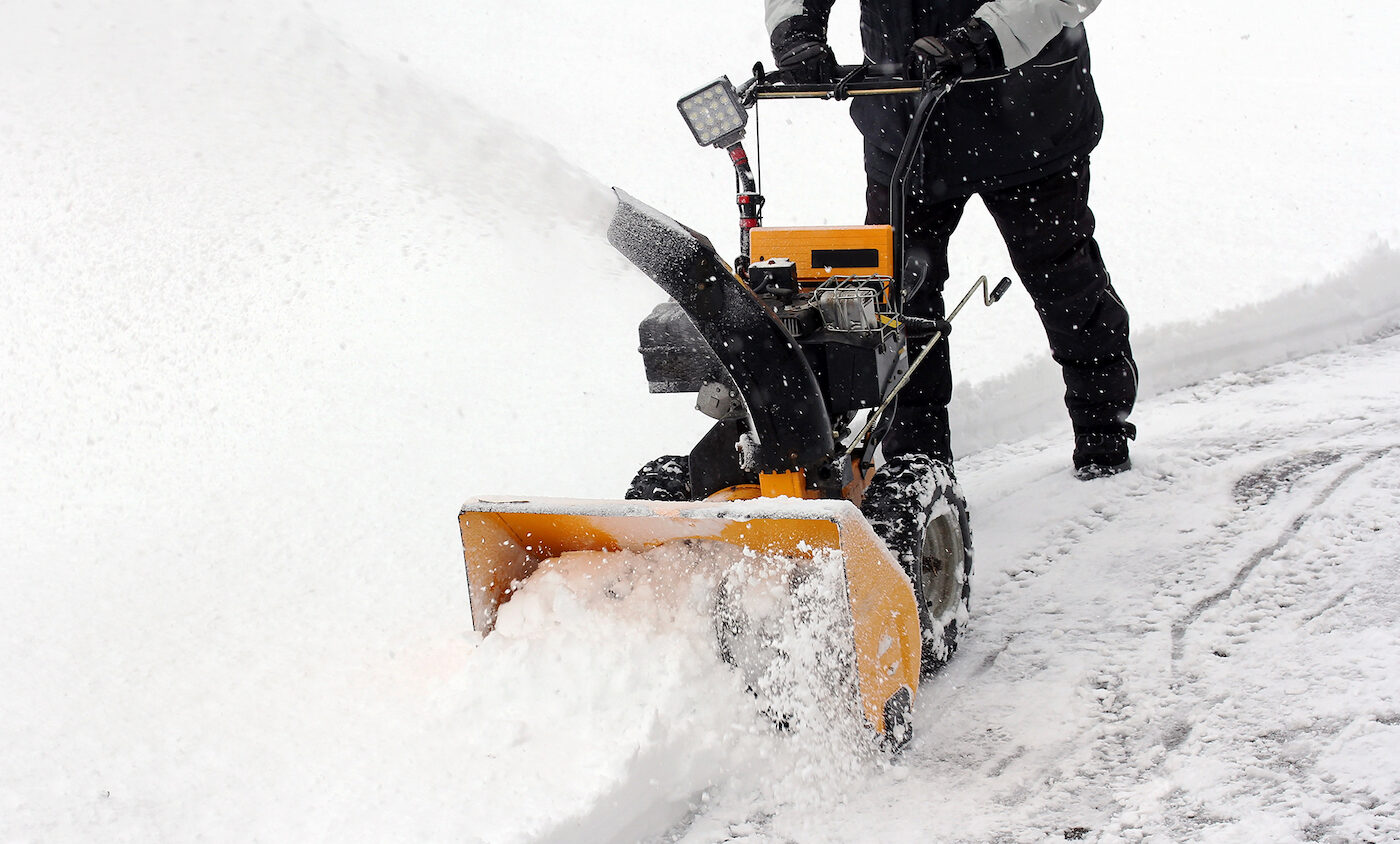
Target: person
{"x":1017,"y":131}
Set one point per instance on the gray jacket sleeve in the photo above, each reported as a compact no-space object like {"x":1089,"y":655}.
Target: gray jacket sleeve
{"x":777,"y":11}
{"x":1024,"y":27}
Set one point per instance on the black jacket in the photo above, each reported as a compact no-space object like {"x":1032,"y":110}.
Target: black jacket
{"x":991,"y":131}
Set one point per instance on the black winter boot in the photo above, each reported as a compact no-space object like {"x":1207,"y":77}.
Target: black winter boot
{"x":1101,"y":452}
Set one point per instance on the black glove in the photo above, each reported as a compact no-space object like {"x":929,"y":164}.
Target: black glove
{"x":800,"y":49}
{"x":971,"y":47}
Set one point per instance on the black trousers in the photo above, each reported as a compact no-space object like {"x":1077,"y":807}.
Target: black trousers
{"x":1049,"y":233}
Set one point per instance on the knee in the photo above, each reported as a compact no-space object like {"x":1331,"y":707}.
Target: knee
{"x":1085,"y":327}
{"x":1070,"y":279}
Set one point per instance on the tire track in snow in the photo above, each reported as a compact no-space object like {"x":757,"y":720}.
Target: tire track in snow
{"x":1285,"y":759}
{"x":1180,"y":627}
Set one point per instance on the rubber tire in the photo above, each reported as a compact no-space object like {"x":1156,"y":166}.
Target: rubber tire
{"x":667,"y":478}
{"x":916,"y":506}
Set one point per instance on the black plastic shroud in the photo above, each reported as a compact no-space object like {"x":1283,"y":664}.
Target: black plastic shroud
{"x":784,"y":401}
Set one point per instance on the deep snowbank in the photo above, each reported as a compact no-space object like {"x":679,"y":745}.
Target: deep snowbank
{"x":264,"y":328}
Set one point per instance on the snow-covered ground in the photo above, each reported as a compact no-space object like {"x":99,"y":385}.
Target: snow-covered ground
{"x":282,"y":284}
{"x":1203,"y":649}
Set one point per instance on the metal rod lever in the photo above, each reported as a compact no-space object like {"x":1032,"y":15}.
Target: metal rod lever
{"x":990,"y":297}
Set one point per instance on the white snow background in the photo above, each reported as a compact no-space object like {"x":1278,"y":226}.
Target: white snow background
{"x":282,"y":284}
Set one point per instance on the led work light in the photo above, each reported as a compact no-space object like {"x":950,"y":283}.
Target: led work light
{"x":714,"y":114}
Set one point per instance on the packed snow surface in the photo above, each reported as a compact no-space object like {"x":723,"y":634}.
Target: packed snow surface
{"x":281,"y":285}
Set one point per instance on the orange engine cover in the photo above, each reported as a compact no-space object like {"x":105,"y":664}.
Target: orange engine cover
{"x":821,"y":252}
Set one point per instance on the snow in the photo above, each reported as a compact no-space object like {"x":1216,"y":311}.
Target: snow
{"x":283,"y":284}
{"x":1179,"y":653}
{"x":530,"y":697}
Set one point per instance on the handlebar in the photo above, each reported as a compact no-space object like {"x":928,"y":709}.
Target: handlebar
{"x":854,"y":81}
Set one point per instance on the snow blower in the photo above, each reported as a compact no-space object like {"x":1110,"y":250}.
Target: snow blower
{"x":798,"y":351}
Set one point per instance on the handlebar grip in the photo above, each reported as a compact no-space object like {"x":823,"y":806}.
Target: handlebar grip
{"x":1000,"y":291}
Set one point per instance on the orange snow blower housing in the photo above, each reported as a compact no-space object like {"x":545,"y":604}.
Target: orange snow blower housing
{"x":797,"y":353}
{"x":506,"y":540}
